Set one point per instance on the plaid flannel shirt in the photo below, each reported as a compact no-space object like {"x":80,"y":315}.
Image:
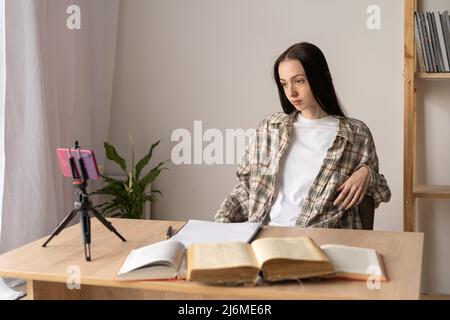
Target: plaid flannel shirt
{"x":251,"y":199}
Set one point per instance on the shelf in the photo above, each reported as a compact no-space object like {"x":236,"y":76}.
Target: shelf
{"x":428,"y":191}
{"x":432,"y":75}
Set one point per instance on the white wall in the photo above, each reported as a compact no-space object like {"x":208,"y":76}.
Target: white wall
{"x":211,"y":60}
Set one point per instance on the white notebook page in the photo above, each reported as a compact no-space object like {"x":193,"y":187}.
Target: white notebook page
{"x":196,"y":231}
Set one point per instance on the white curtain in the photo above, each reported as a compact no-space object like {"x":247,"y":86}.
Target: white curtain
{"x":2,"y":102}
{"x":58,"y":90}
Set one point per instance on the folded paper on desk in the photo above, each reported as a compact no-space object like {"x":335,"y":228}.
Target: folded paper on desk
{"x":279,"y":259}
{"x":166,"y":260}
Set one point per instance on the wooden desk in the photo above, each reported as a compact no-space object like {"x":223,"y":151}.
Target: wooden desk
{"x":47,"y":270}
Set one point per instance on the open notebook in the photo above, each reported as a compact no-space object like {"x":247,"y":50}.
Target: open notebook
{"x":167,"y":259}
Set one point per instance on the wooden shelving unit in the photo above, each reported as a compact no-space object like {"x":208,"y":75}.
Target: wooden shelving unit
{"x":435,"y":192}
{"x":411,"y":190}
{"x":426,"y":75}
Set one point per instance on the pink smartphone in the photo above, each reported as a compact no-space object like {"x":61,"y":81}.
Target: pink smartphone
{"x":71,"y":162}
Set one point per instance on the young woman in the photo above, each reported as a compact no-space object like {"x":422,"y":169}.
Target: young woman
{"x":309,"y":165}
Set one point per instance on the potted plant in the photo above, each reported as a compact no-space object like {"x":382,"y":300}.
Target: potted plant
{"x":129,"y":195}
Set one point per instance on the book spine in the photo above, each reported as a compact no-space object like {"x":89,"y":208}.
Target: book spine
{"x":431,"y":42}
{"x":447,"y":17}
{"x":437,"y":44}
{"x":418,"y":41}
{"x":426,"y":43}
{"x":437,"y":19}
{"x":446,"y":32}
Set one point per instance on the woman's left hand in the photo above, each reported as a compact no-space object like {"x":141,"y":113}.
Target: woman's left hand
{"x":353,"y":190}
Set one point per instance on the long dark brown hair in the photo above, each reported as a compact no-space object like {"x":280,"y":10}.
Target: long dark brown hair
{"x":317,"y":73}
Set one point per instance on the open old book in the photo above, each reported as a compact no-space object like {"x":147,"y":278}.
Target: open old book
{"x":166,"y":259}
{"x":280,"y":259}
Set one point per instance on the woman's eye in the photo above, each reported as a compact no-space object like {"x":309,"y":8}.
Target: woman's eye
{"x":283,"y":85}
{"x":300,"y":81}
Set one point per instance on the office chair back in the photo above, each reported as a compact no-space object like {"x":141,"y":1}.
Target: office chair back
{"x":366,"y":210}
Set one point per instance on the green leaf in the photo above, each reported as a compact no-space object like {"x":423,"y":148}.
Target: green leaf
{"x":144,"y":161}
{"x":100,"y":205}
{"x":109,"y":211}
{"x":106,"y":190}
{"x":151,"y":176}
{"x":137,"y":189}
{"x":117,"y":214}
{"x":111,"y":207}
{"x":112,"y":155}
{"x":109,"y":179}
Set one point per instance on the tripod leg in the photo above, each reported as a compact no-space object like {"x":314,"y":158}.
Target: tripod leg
{"x":107,"y":224}
{"x":85,"y":222}
{"x":61,"y":226}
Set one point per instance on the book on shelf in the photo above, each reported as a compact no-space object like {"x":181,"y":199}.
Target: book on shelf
{"x":441,"y":40}
{"x":166,"y":260}
{"x":418,"y":37}
{"x":432,"y":40}
{"x":426,"y":42}
{"x":277,"y":259}
{"x":429,"y":32}
{"x":445,"y":22}
{"x":435,"y":41}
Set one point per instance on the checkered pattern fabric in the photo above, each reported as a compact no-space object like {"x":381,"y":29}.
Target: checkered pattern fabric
{"x":251,"y":199}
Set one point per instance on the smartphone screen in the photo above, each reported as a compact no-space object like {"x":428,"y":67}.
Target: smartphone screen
{"x":70,"y":161}
{"x":90,"y":164}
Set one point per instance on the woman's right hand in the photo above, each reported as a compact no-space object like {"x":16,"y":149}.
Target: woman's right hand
{"x":353,"y":190}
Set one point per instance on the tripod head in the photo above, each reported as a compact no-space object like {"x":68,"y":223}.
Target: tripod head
{"x":79,"y":161}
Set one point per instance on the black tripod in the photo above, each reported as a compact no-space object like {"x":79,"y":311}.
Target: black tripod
{"x":83,"y":206}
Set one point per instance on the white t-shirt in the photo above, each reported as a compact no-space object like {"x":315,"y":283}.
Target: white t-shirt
{"x":308,"y":145}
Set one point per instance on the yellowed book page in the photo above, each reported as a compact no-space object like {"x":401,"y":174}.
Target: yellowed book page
{"x":221,"y":255}
{"x":354,"y":260}
{"x":298,"y":248}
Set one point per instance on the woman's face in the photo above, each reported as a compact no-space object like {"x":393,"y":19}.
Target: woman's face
{"x":296,"y":86}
